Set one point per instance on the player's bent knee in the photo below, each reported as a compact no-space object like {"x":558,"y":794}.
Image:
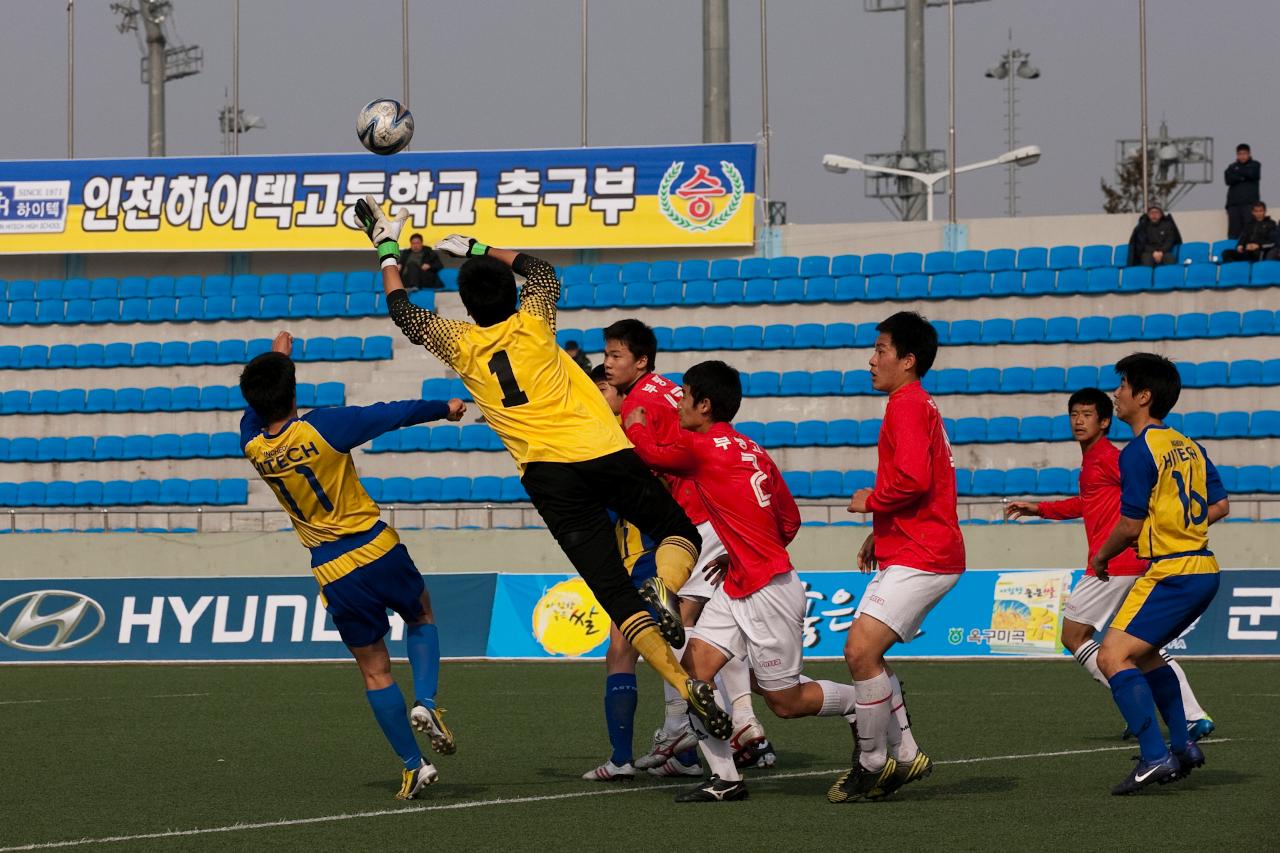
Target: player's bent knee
{"x":785,"y":698}
{"x":1074,"y":634}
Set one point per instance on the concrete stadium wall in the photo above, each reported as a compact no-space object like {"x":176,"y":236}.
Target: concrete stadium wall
{"x":815,"y":549}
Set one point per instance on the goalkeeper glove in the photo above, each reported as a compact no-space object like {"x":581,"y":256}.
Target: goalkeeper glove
{"x":384,"y":233}
{"x":461,"y":246}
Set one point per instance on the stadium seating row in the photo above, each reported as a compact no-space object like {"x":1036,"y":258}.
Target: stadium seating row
{"x":857,"y":287}
{"x":88,"y":448}
{"x":958,"y":380}
{"x":184,"y":398}
{"x":837,"y":433}
{"x":95,"y":493}
{"x":195,"y":353}
{"x":190,"y":309}
{"x":1000,"y":330}
{"x":166,"y":286}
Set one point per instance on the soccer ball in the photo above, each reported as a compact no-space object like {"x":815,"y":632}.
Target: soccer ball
{"x":384,"y":126}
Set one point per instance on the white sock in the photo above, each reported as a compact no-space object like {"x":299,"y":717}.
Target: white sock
{"x":735,"y":677}
{"x":677,"y":710}
{"x":718,"y":753}
{"x":1189,"y":704}
{"x":838,"y":700}
{"x":874,"y":707}
{"x":902,"y":743}
{"x":1087,"y":656}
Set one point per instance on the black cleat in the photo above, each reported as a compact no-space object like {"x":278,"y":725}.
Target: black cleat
{"x":905,"y":773}
{"x":859,"y":782}
{"x":1188,"y":761}
{"x":666,"y":610}
{"x":702,"y":704}
{"x":715,"y":790}
{"x":1147,"y":773}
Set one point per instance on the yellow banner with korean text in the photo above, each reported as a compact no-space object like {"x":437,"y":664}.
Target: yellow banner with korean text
{"x":697,"y":195}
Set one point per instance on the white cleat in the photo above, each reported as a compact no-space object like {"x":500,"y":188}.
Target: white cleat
{"x":413,"y":781}
{"x":750,"y":747}
{"x":675,"y":767}
{"x":610,"y":772}
{"x":667,"y":745}
{"x":430,"y":721}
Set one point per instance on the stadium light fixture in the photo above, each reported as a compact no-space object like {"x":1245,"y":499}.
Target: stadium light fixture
{"x":839,"y":164}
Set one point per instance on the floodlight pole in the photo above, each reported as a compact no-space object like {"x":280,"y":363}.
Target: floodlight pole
{"x":914,"y":96}
{"x":715,"y":70}
{"x":764,"y":105}
{"x":582,"y":132}
{"x":155,"y":82}
{"x":1142,"y":58}
{"x":235,"y":84}
{"x":951,"y":113}
{"x":71,"y":79}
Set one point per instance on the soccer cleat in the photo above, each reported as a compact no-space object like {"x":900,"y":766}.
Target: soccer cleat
{"x":702,"y":704}
{"x":610,"y":772}
{"x":1189,"y":760}
{"x":413,"y":781}
{"x":905,"y":773}
{"x":1202,"y":728}
{"x":675,"y":767}
{"x":715,"y":790}
{"x":1147,"y":773}
{"x":667,"y":745}
{"x":856,"y":783}
{"x":666,"y":610}
{"x":430,"y":721}
{"x":751,"y":748}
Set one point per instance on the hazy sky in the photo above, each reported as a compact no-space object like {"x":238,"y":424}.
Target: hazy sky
{"x":505,"y":74}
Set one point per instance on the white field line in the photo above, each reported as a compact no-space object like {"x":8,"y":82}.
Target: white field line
{"x":512,"y":801}
{"x":100,"y":698}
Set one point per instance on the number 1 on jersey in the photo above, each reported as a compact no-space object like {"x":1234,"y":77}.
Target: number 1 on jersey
{"x":512,"y":395}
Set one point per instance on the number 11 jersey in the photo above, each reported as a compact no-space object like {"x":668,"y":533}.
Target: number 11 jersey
{"x":543,"y":406}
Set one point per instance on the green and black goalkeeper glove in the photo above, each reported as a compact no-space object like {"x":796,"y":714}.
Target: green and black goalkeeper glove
{"x":461,"y":246}
{"x":384,"y":233}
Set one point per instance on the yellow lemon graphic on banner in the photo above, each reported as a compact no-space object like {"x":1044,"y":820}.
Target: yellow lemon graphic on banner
{"x":568,"y":621}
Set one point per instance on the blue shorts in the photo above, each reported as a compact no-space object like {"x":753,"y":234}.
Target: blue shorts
{"x":359,"y":601}
{"x":1158,"y":609}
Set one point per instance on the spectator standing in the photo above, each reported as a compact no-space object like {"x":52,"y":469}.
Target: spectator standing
{"x":420,"y":266}
{"x":1155,"y":239}
{"x":1242,"y":179}
{"x":579,"y":357}
{"x":1256,"y":240}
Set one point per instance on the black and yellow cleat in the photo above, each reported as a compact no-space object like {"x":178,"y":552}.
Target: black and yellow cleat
{"x":430,"y":721}
{"x":666,"y":610}
{"x":702,"y":704}
{"x":858,"y":782}
{"x":905,"y":773}
{"x":413,"y":781}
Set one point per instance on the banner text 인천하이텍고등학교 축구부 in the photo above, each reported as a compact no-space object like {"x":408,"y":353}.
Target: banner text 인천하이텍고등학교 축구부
{"x":692,"y":195}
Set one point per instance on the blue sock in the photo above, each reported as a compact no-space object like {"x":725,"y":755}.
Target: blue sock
{"x":388,"y":710}
{"x":423,"y":642}
{"x":1168,"y":698}
{"x":620,"y":699}
{"x":1133,"y":697}
{"x":688,"y":758}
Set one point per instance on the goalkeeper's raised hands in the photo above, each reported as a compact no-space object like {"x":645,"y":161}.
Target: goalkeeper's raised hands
{"x":384,"y":233}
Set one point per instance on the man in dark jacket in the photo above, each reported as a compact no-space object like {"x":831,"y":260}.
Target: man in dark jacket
{"x":1256,"y":240}
{"x":1242,"y":179}
{"x":419,"y":266}
{"x":1155,"y":239}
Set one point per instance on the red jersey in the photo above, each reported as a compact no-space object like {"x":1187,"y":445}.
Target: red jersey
{"x":1099,"y":505}
{"x":748,"y":502}
{"x":661,"y":399}
{"x":913,"y":503}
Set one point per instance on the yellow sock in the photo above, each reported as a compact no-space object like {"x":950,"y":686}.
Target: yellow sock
{"x":675,"y":558}
{"x":644,"y":637}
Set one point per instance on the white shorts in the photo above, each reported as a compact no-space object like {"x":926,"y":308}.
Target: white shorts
{"x":696,"y":586}
{"x":1093,"y":602}
{"x":765,"y":629}
{"x":900,"y":597}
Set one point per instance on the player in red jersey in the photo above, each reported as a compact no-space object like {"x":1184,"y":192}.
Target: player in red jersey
{"x":917,"y":548}
{"x":630,"y":357}
{"x":757,"y":612}
{"x":1095,"y":600}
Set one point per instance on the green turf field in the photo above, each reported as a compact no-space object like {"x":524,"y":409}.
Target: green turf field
{"x":287,"y":757}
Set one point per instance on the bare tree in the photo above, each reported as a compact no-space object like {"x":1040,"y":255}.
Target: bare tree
{"x":1125,"y":196}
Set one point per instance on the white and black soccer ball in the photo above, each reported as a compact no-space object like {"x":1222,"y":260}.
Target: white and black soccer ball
{"x":384,"y":126}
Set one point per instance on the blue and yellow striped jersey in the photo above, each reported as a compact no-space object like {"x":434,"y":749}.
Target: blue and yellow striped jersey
{"x":309,"y":467}
{"x":1168,"y":481}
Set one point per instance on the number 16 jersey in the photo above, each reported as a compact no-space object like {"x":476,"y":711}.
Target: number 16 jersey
{"x":543,"y":406}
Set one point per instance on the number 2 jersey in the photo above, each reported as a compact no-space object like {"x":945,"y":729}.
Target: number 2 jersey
{"x":748,"y":502}
{"x":309,"y":467}
{"x":1168,"y":482}
{"x":543,"y":406}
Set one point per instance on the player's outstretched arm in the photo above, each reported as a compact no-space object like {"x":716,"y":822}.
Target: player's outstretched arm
{"x":541,"y":288}
{"x":676,"y":458}
{"x":348,"y":427}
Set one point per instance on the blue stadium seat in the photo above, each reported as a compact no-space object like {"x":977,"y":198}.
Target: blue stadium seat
{"x":947,"y":380}
{"x":1001,"y":259}
{"x":1257,"y":322}
{"x":59,"y":493}
{"x":1048,"y":379}
{"x":664,"y":270}
{"x":1062,"y":257}
{"x":1265,"y":274}
{"x":48,"y":289}
{"x":153,"y":400}
{"x":1169,"y":277}
{"x":104,"y":288}
{"x":1196,"y":325}
{"x":803,"y":336}
{"x":1200,"y":276}
{"x":987,"y":481}
{"x":1081,"y":376}
{"x":877,"y":263}
{"x":1060,"y":430}
{"x":1247,"y":371}
{"x":1036,"y":283}
{"x":306,"y":393}
{"x":217,"y":308}
{"x":1061,"y":330}
{"x":1125,"y":327}
{"x":1105,"y":280}
{"x":1230,"y":479}
{"x":76,"y":288}
{"x":825,"y":383}
{"x":223,"y":445}
{"x":970,"y":431}
{"x":684,"y":338}
{"x":78,"y":311}
{"x":116,"y":493}
{"x":1054,"y":481}
{"x":793,"y":383}
{"x":969,"y":260}
{"x":359,"y":281}
{"x":753,"y":430}
{"x":190,"y":309}
{"x":723,"y":268}
{"x":1194,"y":252}
{"x":302,"y":282}
{"x":397,"y":489}
{"x":79,"y":448}
{"x":376,"y":348}
{"x":882,"y":287}
{"x":846,"y":265}
{"x":233,"y":492}
{"x":814,"y":265}
{"x":608,"y":294}
{"x":50,"y":311}
{"x":231,"y":351}
{"x":758,"y":291}
{"x":1234,"y":274}
{"x":21,"y":313}
{"x":144,"y":492}
{"x":160,"y":287}
{"x":998,"y":330}
{"x":780,"y":434}
{"x":192,"y":445}
{"x":166,"y":446}
{"x":319,"y":349}
{"x":826,"y":484}
{"x":764,"y":383}
{"x":694,"y":270}
{"x":939,"y":262}
{"x":23,"y":449}
{"x":346,"y":348}
{"x":330,"y":282}
{"x":1210,"y":374}
{"x":202,"y":492}
{"x":1156,"y":327}
{"x":1031,"y":258}
{"x":455,"y":489}
{"x":105,"y":311}
{"x":637,"y":294}
{"x":88,"y":493}
{"x":331,"y":305}
{"x":1250,"y":479}
{"x":1035,"y":428}
{"x":854,"y":480}
{"x":70,"y":400}
{"x":668,"y":292}
{"x":174,"y":353}
{"x":1135,"y":278}
{"x":304,"y":305}
{"x":1232,"y":425}
{"x":913,"y":286}
{"x":842,"y":432}
{"x":1029,"y":330}
{"x":752,"y":268}
{"x":782,"y":336}
{"x":906,"y":263}
{"x":436,"y":389}
{"x":799,"y":483}
{"x":839,"y":335}
{"x":162,"y":310}
{"x":44,"y":402}
{"x":33,"y":357}
{"x":362,"y":304}
{"x":846,"y":288}
{"x":1265,"y":424}
{"x":21,"y":290}
{"x":717,"y":338}
{"x":185,"y":398}
{"x":1020,"y":481}
{"x":857,"y":382}
{"x":330,"y":394}
{"x":30,"y":494}
{"x":963,"y":332}
{"x":788,"y":290}
{"x":426,"y":490}
{"x":10,"y":357}
{"x":1199,"y":425}
{"x":699,"y":292}
{"x":274,"y":306}
{"x":984,"y":380}
{"x":1017,"y":380}
{"x":811,"y":434}
{"x":945,"y":286}
{"x":975,"y":284}
{"x":486,"y":489}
